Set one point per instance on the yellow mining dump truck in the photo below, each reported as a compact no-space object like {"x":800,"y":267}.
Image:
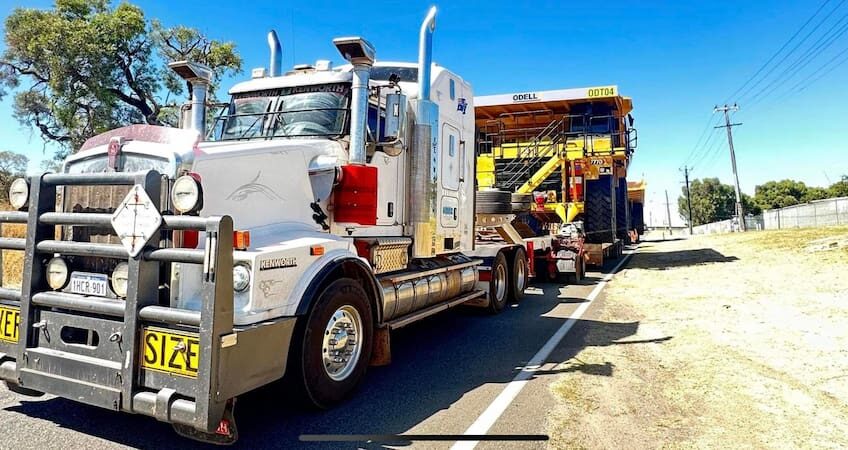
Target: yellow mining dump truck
{"x":571,"y":148}
{"x":636,"y":198}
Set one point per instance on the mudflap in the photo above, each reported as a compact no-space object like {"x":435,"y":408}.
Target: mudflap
{"x":225,"y":434}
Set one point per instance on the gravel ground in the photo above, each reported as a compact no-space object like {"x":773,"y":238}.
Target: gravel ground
{"x":740,"y":341}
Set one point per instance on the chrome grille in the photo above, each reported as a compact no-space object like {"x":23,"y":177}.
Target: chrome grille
{"x":95,"y":199}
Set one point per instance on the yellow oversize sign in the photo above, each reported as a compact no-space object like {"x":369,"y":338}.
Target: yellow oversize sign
{"x":170,"y":351}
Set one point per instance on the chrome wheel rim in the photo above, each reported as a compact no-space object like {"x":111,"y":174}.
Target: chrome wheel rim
{"x":500,"y":283}
{"x":520,"y":272}
{"x":342,"y":343}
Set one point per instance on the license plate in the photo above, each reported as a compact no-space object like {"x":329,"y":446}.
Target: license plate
{"x":171,"y":352}
{"x":10,"y":319}
{"x":89,"y":283}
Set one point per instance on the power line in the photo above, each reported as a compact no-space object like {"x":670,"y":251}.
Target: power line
{"x":804,"y":60}
{"x":785,"y":44}
{"x":811,"y":78}
{"x":788,"y":54}
{"x":707,"y":127}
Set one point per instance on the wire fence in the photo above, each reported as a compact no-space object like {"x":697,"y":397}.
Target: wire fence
{"x":818,"y":213}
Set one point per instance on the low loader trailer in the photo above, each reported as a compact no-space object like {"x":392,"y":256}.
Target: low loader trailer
{"x":169,"y":271}
{"x":569,"y":147}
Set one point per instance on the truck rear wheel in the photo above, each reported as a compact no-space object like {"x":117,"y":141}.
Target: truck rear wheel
{"x":336,"y":344}
{"x":519,"y":275}
{"x":498,"y":284}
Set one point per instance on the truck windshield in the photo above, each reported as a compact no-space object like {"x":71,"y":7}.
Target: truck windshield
{"x":300,"y":111}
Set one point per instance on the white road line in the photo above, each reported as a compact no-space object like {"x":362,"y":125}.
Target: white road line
{"x":505,"y":398}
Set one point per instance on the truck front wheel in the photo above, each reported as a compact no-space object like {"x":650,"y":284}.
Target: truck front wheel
{"x":336,"y":343}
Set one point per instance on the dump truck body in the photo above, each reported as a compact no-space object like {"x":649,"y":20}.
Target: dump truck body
{"x":570,"y":147}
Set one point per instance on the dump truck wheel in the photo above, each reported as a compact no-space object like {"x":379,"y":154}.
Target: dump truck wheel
{"x":499,"y":284}
{"x":520,"y":274}
{"x":336,"y":344}
{"x":598,"y":212}
{"x":621,"y":210}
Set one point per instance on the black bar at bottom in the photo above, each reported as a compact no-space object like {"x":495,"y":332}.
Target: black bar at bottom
{"x":406,"y":438}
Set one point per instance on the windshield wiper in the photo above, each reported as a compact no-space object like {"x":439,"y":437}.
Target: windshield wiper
{"x":250,"y":128}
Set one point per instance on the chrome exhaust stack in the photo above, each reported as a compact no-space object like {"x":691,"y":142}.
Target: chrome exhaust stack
{"x":359,"y":53}
{"x":425,"y":53}
{"x":425,"y":159}
{"x":199,"y":76}
{"x":275,"y":68}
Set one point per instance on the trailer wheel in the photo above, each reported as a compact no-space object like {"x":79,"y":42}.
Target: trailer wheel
{"x":336,"y":344}
{"x":519,"y":274}
{"x":579,"y":268}
{"x":499,"y":284}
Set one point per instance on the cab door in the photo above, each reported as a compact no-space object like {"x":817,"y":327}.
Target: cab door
{"x":450,"y":176}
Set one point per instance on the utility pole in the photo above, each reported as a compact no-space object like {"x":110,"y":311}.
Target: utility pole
{"x":668,"y":212}
{"x":740,"y":213}
{"x":688,"y":197}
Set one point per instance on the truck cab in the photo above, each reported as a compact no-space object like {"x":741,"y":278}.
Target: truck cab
{"x":169,"y":270}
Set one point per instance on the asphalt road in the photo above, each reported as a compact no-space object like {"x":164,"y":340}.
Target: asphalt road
{"x":445,"y":372}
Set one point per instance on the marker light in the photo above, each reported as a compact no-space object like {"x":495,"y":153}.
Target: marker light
{"x":241,"y":277}
{"x":19,"y":193}
{"x":120,"y":279}
{"x":185,"y":194}
{"x":57,"y":273}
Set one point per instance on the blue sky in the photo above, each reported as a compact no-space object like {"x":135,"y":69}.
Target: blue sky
{"x":676,"y":59}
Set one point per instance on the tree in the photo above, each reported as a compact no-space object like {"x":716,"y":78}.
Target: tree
{"x":839,"y":189}
{"x":85,"y":67}
{"x":12,"y":165}
{"x":780,"y":194}
{"x":711,"y":201}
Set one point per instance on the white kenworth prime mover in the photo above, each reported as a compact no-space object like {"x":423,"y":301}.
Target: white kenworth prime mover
{"x":168,"y":271}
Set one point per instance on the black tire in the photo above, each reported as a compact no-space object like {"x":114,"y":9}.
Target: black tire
{"x":579,"y":269}
{"x":499,"y":284}
{"x":493,"y":196}
{"x":597,"y":211}
{"x":516,"y":197}
{"x":519,"y":275}
{"x":520,"y":207}
{"x":621,"y":210}
{"x":493,"y":201}
{"x":316,"y":386}
{"x":494,"y":208}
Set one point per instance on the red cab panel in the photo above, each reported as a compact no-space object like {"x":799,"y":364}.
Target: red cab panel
{"x":355,"y":197}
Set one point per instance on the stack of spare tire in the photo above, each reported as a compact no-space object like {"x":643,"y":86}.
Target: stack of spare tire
{"x":498,"y":201}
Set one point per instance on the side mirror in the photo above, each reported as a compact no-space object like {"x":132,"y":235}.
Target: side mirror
{"x":630,"y":119}
{"x":393,"y":129}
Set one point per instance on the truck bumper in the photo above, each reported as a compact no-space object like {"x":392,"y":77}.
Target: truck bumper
{"x":179,"y":366}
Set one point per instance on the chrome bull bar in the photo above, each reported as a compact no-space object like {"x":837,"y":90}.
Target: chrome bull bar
{"x":112,"y":376}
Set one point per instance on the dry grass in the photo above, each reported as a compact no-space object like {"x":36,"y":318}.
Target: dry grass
{"x":13,"y":260}
{"x":756,"y":357}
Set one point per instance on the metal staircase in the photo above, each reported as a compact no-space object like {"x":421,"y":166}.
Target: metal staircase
{"x":529,"y":159}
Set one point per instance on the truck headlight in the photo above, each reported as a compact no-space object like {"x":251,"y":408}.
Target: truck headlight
{"x":120,"y":279}
{"x":57,"y":273}
{"x":241,"y":277}
{"x":185,"y":194}
{"x":19,"y":193}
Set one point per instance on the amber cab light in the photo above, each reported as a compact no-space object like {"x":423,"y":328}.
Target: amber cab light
{"x":316,"y":250}
{"x":241,"y":240}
